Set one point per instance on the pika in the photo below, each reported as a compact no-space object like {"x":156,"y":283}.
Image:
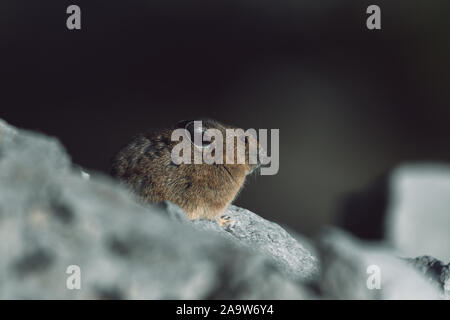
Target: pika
{"x":203,"y":191}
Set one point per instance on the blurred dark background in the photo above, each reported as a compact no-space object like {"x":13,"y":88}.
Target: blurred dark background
{"x":350,"y":103}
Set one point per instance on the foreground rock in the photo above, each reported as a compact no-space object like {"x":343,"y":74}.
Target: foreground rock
{"x":51,"y":218}
{"x":259,"y":235}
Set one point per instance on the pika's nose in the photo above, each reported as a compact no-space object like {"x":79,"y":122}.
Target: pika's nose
{"x":261,"y":160}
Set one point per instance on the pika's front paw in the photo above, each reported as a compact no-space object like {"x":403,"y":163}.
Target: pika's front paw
{"x":224,"y":220}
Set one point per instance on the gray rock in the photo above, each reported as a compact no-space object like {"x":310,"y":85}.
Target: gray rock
{"x":435,"y":271}
{"x":348,"y":267}
{"x":259,"y":235}
{"x":51,"y":217}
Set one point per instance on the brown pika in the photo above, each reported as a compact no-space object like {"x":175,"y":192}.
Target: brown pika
{"x":203,"y":190}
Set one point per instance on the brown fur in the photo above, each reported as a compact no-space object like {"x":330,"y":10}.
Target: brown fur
{"x":202,"y":190}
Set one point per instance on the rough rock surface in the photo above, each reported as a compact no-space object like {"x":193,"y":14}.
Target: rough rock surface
{"x":51,"y":218}
{"x":259,"y":235}
{"x":436,"y":272}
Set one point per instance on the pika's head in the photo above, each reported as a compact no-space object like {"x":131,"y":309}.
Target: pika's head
{"x":214,"y":143}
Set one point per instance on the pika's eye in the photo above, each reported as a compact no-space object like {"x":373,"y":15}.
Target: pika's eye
{"x":196,"y":129}
{"x":244,"y":139}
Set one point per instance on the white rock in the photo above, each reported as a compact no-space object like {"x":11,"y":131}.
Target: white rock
{"x":418,"y":219}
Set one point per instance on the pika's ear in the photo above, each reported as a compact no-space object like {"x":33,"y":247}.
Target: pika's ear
{"x":195,"y":128}
{"x":183,"y":123}
{"x":206,"y":122}
{"x":191,"y":127}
